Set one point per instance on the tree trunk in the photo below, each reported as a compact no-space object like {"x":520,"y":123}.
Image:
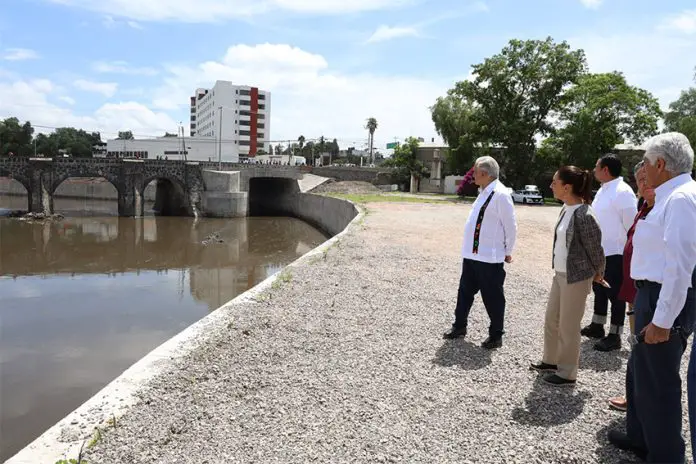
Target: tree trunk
{"x":414,"y":184}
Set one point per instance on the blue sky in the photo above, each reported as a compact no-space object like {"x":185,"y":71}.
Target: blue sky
{"x":112,"y":65}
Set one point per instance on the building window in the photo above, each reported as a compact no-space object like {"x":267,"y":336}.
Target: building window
{"x":244,"y":92}
{"x":244,"y":132}
{"x":261,"y":125}
{"x":262,"y":106}
{"x":245,"y":103}
{"x":245,"y":123}
{"x":262,"y":96}
{"x":244,"y":143}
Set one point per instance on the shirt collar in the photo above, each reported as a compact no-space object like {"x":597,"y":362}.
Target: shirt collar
{"x":490,"y":187}
{"x":664,"y":190}
{"x":612,"y":184}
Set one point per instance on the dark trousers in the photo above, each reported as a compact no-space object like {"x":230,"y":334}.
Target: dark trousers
{"x":488,"y":278}
{"x":653,"y":383}
{"x":613,"y":274}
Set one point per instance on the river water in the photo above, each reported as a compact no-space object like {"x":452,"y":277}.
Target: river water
{"x":82,"y":299}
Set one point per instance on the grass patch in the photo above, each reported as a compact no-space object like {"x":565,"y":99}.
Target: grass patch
{"x":284,"y":277}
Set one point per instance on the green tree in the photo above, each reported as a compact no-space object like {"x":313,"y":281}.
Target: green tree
{"x":125,"y":135}
{"x":681,"y":116}
{"x":409,"y":168}
{"x":166,"y":134}
{"x":16,"y":138}
{"x":514,"y":93}
{"x":602,"y":110}
{"x":371,"y":127}
{"x":456,"y":121}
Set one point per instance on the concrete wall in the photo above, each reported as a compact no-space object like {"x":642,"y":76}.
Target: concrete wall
{"x":451,"y":184}
{"x":222,"y":197}
{"x":330,"y":215}
{"x":376,"y":176}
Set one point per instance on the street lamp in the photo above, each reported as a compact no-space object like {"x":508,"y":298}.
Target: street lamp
{"x":220,"y":141}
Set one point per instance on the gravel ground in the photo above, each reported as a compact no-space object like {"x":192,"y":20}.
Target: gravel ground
{"x":345,"y":363}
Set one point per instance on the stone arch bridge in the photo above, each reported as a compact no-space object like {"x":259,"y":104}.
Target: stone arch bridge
{"x":183,"y":188}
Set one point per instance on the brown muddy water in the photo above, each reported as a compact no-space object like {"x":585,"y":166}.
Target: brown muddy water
{"x":84,"y":298}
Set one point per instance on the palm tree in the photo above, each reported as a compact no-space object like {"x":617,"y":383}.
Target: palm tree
{"x":301,"y":141}
{"x":371,"y":126}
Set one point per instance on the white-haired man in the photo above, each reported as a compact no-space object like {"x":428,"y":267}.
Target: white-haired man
{"x":662,"y":266}
{"x":489,"y":239}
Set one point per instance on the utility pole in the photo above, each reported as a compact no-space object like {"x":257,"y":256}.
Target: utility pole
{"x":34,"y":147}
{"x":220,"y":141}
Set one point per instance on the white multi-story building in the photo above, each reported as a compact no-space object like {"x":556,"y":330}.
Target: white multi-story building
{"x":235,"y":114}
{"x":228,"y":122}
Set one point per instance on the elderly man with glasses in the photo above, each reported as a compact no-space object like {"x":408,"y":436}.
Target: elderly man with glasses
{"x":662,"y":266}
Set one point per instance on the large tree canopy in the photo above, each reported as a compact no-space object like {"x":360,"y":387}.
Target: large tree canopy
{"x":515,"y":91}
{"x":602,"y":111}
{"x":681,"y":116}
{"x":18,"y":139}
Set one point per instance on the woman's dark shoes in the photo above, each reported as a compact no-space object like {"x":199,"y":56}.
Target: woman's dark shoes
{"x":543,"y":367}
{"x":609,"y":343}
{"x":557,"y":381}
{"x":454,"y":333}
{"x":593,"y":331}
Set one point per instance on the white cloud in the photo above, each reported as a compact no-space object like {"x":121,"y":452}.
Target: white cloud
{"x":122,"y":67}
{"x":134,"y":24}
{"x":684,"y":22}
{"x":388,"y":33}
{"x":309,"y":98}
{"x":593,"y":4}
{"x":218,"y":10}
{"x":19,"y":54}
{"x":29,"y":100}
{"x":668,"y":69}
{"x":68,"y":100}
{"x":108,"y":89}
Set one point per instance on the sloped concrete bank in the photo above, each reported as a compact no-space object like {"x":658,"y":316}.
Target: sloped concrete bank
{"x":83,"y":426}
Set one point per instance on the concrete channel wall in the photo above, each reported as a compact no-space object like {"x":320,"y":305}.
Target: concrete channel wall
{"x":64,"y":439}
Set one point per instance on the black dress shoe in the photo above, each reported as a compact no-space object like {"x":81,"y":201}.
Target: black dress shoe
{"x":454,"y":333}
{"x":492,"y":343}
{"x":558,"y":381}
{"x":593,"y":331}
{"x":543,"y":367}
{"x":609,"y":343}
{"x":621,"y":441}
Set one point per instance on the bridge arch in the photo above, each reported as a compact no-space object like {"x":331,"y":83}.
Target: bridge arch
{"x":171,"y":196}
{"x":14,"y":179}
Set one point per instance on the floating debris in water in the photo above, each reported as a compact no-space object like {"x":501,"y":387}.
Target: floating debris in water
{"x":41,"y":217}
{"x":212,"y":238}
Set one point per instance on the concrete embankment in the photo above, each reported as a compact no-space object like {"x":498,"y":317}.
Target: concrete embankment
{"x":104,"y":410}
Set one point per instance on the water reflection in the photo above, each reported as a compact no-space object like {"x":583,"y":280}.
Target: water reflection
{"x":84,"y":298}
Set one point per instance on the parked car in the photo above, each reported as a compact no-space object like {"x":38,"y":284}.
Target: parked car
{"x":529,"y":195}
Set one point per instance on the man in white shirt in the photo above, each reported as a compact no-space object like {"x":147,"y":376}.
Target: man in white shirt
{"x":615,"y":206}
{"x":663,"y":262}
{"x":489,"y":239}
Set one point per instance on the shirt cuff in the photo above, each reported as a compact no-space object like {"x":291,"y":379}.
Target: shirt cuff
{"x":662,"y":320}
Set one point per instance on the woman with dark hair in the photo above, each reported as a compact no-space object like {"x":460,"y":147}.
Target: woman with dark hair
{"x":578,"y":259}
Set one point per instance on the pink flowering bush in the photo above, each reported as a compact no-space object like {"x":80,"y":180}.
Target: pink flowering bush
{"x":464,"y":184}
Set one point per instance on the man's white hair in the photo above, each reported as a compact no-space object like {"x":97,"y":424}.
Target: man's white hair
{"x":674,"y":148}
{"x":488,"y":164}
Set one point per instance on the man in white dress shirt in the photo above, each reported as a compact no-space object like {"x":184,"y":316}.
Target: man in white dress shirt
{"x":663,"y":263}
{"x":489,"y":239}
{"x":615,"y":206}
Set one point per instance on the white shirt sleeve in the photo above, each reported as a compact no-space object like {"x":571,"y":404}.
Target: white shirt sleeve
{"x":506,"y":209}
{"x":680,"y":256}
{"x":627,"y":203}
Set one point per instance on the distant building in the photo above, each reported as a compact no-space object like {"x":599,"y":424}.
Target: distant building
{"x":245,"y":120}
{"x":173,"y":148}
{"x":432,"y":155}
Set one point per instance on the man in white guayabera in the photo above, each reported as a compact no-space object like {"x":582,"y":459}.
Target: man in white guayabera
{"x":615,"y":206}
{"x":489,"y":239}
